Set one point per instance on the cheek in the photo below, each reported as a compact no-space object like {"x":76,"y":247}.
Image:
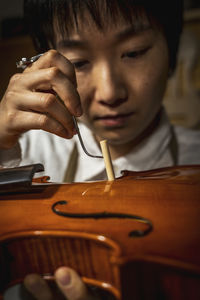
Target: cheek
{"x":154,"y":86}
{"x":151,"y":85}
{"x":84,"y":92}
{"x":154,"y":75}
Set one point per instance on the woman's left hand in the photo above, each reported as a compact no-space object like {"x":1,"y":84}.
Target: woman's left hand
{"x":68,"y":281}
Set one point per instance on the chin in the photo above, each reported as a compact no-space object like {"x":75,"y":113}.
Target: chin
{"x":120,"y":141}
{"x":116,"y":137}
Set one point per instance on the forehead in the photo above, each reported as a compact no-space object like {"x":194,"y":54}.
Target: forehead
{"x":86,"y":25}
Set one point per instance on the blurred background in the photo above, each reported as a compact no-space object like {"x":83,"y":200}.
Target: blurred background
{"x":182,"y":99}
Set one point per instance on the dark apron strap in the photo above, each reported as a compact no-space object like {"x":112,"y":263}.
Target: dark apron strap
{"x":174,"y":147}
{"x":72,"y":165}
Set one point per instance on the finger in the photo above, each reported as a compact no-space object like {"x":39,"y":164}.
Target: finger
{"x":46,"y":103}
{"x":66,"y":91}
{"x":71,"y":285}
{"x":50,"y":79}
{"x":37,"y":287}
{"x":53,"y":58}
{"x":24,"y":121}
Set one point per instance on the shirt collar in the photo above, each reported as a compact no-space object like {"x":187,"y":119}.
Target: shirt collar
{"x":143,"y":157}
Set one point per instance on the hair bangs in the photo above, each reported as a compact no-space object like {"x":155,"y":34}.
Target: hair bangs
{"x":69,"y":16}
{"x":65,"y":16}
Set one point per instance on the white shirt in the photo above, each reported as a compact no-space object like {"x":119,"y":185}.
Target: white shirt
{"x":37,"y":146}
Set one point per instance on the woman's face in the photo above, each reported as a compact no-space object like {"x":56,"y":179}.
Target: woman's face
{"x":121,"y":75}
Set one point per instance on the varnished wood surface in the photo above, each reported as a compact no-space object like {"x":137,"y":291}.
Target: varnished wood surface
{"x":38,"y":238}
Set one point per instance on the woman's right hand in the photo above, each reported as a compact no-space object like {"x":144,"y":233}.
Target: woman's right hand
{"x":32,"y":100}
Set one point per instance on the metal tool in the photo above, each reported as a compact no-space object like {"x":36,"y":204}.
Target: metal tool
{"x":23,"y":63}
{"x":81,"y":140}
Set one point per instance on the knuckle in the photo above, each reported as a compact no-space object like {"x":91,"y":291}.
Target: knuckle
{"x":47,"y":100}
{"x":43,"y":121}
{"x":16,"y":77}
{"x":53,"y":72}
{"x":11,"y":117}
{"x":61,"y":131}
{"x":10,"y":94}
{"x":52,"y":54}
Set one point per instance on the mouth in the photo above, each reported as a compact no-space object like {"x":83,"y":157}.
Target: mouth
{"x":117,"y":120}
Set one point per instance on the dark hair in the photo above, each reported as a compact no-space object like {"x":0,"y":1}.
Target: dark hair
{"x":41,"y":15}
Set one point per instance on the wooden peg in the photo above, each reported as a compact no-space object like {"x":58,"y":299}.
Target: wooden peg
{"x":107,"y":160}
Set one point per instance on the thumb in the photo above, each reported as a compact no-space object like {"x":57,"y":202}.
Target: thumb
{"x":72,"y":285}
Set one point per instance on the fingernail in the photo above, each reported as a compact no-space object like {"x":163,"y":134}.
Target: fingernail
{"x":63,"y":277}
{"x":79,"y":111}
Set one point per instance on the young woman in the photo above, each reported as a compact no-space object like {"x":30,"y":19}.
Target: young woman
{"x":106,"y":63}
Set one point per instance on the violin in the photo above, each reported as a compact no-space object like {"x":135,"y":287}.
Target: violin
{"x":137,"y":237}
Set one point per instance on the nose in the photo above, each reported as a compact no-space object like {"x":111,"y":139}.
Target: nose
{"x":109,"y":85}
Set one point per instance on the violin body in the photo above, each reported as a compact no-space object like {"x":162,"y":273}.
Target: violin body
{"x":137,"y":237}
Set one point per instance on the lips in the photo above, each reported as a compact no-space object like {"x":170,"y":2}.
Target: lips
{"x":116,"y":120}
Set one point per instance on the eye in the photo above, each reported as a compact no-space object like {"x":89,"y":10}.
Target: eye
{"x":135,"y":54}
{"x":80,"y":64}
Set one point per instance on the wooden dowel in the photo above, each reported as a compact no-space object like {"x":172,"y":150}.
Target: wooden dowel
{"x":107,"y":160}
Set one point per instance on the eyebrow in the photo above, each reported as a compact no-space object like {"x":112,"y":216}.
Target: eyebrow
{"x":133,"y":30}
{"x":70,"y":43}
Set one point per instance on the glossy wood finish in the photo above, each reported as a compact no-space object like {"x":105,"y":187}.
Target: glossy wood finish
{"x":163,"y":264}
